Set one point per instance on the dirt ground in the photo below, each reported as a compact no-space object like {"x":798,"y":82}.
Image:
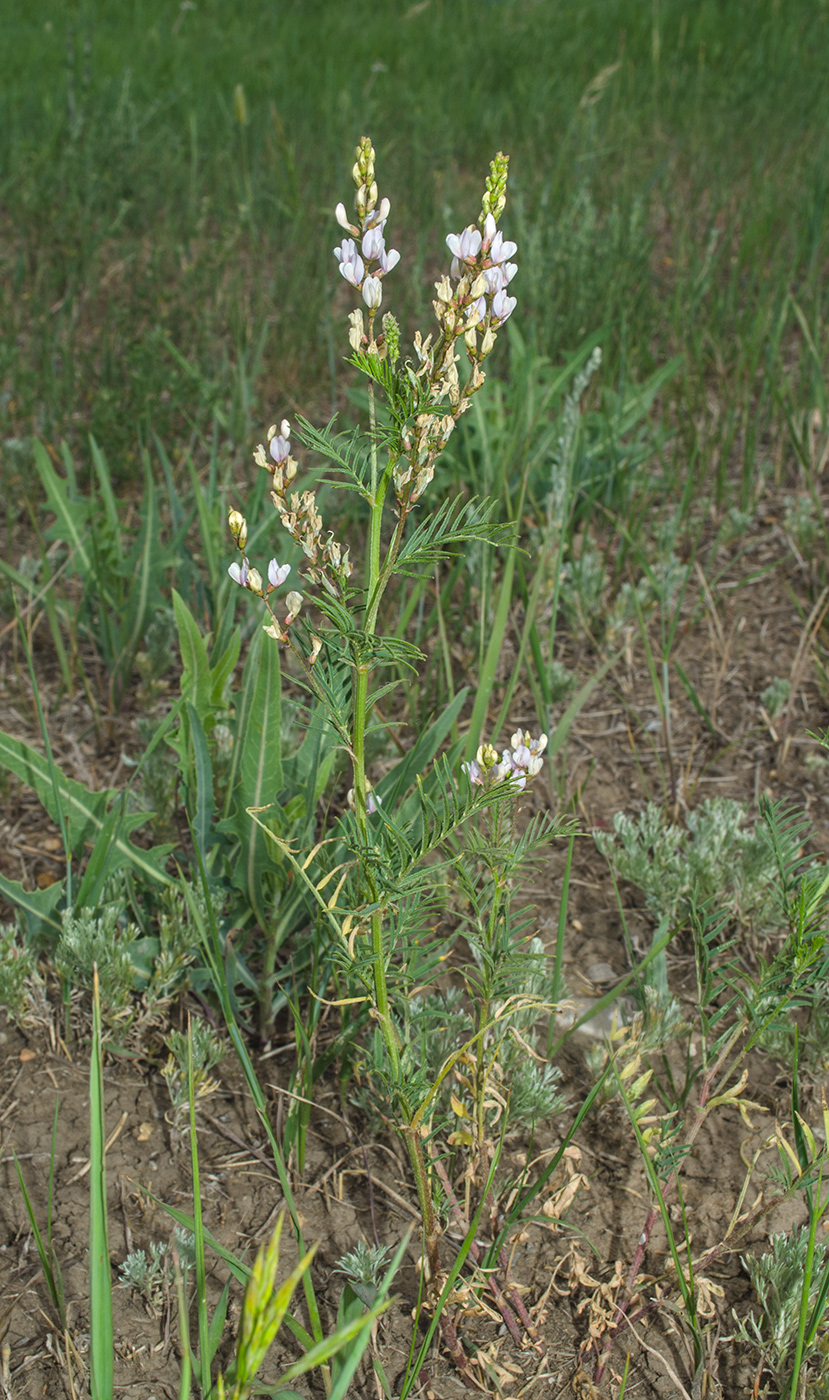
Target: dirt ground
{"x":752,"y":630}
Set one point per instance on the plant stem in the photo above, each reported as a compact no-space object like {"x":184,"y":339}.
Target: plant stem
{"x":376,"y":579}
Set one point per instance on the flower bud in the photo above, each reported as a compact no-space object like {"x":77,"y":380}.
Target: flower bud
{"x":238,"y":527}
{"x":343,"y":219}
{"x":488,"y":341}
{"x":487,"y":755}
{"x":254,"y":581}
{"x":444,"y":290}
{"x":294,"y":601}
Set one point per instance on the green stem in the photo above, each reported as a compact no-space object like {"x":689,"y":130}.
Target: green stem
{"x":377,"y":578}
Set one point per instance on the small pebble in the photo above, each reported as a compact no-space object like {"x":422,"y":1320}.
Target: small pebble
{"x":600,"y":972}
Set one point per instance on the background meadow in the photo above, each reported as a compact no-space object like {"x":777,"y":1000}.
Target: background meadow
{"x":168,"y":175}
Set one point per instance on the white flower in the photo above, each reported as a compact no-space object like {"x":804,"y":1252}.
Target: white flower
{"x":353,"y":270}
{"x":389,"y":260}
{"x":489,"y":229}
{"x":254,"y":582}
{"x":240,"y":573}
{"x":474,"y":772}
{"x":347,"y":251}
{"x":372,"y":292}
{"x":373,"y":244}
{"x":280,"y":441}
{"x":497,"y":278}
{"x":503,"y":305}
{"x":355,"y":335}
{"x":343,"y":219}
{"x":502,"y":249}
{"x":466,"y":245}
{"x":294,"y":601}
{"x":380,"y":214}
{"x":277,"y":573}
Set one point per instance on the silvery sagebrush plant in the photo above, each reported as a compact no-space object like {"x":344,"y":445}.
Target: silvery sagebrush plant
{"x":374,"y":878}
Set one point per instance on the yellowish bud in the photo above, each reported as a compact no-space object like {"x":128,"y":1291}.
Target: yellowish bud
{"x":238,"y":527}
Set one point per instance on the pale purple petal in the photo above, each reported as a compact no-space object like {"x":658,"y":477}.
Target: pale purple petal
{"x":470,"y":242}
{"x":239,"y":573}
{"x":373,"y":243}
{"x":280,"y":447}
{"x":503,"y":305}
{"x":494,"y":277}
{"x":502,"y":249}
{"x":277,"y":573}
{"x":380,"y":214}
{"x":389,"y":260}
{"x":346,"y":251}
{"x":353,"y":271}
{"x":453,"y":243}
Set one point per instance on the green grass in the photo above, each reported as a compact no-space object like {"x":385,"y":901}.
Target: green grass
{"x":163,"y":263}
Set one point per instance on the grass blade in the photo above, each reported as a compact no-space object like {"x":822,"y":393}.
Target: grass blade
{"x":100,"y":1279}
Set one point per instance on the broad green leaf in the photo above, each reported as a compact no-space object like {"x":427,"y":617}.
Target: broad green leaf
{"x":258,"y":743}
{"x":101,"y":466}
{"x":147,"y":563}
{"x":38,"y":906}
{"x":195,"y":679}
{"x":205,"y":804}
{"x":217,"y":1323}
{"x":85,"y":812}
{"x":101,"y":862}
{"x":222,"y":669}
{"x":72,"y":523}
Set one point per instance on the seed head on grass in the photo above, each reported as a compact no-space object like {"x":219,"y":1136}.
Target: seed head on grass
{"x":263,"y":1311}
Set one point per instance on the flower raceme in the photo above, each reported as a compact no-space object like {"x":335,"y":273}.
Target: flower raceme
{"x":472,"y":303}
{"x":519,"y":763}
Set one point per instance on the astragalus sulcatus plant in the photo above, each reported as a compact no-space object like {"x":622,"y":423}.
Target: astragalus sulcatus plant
{"x":373,"y":879}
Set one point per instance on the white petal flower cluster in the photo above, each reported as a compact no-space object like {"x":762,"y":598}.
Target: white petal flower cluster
{"x":519,"y":763}
{"x":248,"y":577}
{"x":364,"y":266}
{"x":490,"y":252}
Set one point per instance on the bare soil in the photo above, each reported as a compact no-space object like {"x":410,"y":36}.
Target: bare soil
{"x":569,"y":1273}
